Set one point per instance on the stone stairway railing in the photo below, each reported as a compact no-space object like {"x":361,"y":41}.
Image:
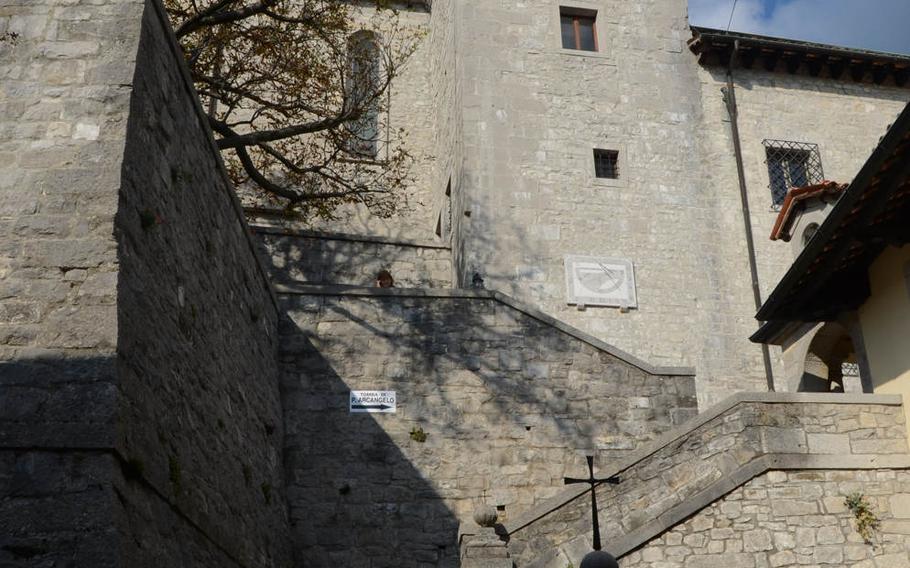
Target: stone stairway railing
{"x":493,"y":397}
{"x":714,"y":453}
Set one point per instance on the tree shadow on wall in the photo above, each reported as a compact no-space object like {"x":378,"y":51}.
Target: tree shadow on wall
{"x":296,"y":254}
{"x":509,"y":405}
{"x":355,"y":498}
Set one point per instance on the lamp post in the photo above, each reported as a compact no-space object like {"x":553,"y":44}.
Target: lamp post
{"x":598,"y":558}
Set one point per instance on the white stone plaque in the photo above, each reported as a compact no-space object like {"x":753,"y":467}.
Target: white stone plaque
{"x":373,"y":401}
{"x":599,"y":281}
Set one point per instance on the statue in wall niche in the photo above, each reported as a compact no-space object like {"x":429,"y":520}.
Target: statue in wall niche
{"x":384,"y":279}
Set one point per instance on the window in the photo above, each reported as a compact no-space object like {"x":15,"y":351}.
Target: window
{"x":809,"y":232}
{"x":444,"y":222}
{"x":363,"y":81}
{"x":791,"y":164}
{"x":578,"y":30}
{"x":606,"y":163}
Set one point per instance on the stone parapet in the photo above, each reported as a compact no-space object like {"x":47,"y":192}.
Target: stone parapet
{"x":715,"y":453}
{"x":789,"y":518}
{"x":315,"y":257}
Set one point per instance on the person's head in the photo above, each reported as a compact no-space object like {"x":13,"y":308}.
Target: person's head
{"x":384,"y":279}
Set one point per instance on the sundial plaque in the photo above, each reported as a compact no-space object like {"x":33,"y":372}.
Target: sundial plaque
{"x":600,"y":281}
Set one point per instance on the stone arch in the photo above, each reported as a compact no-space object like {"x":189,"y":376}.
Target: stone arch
{"x":831,"y":358}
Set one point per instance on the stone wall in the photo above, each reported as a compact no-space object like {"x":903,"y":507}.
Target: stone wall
{"x":533,"y":112}
{"x":332,"y":258}
{"x":846,"y":120}
{"x":495,"y":402}
{"x":64,"y":95}
{"x":446,"y":67}
{"x":140,"y":422}
{"x":719,"y":451}
{"x":197,"y":337}
{"x":784,"y":519}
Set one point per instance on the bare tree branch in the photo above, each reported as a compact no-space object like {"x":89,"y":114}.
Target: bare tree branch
{"x":297,"y":96}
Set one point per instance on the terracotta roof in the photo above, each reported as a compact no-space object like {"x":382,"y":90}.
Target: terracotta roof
{"x":831,"y":274}
{"x":793,"y":203}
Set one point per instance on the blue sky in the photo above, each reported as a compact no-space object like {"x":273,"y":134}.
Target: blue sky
{"x":882,"y":25}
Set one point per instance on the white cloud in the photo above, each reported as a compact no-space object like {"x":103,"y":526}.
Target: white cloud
{"x":869,"y":24}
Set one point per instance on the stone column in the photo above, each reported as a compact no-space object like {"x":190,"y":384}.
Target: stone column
{"x":485,"y":549}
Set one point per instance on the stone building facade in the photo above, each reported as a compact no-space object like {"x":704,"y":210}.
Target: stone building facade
{"x":175,"y":383}
{"x":508,"y":176}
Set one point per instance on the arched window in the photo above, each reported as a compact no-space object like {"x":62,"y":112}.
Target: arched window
{"x":363,"y":83}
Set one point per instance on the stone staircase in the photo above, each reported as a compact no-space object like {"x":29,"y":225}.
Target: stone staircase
{"x":732,"y":480}
{"x":497,"y":402}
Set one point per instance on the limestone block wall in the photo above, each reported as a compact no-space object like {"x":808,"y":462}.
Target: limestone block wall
{"x":495,"y":402}
{"x":140,"y":424}
{"x":700,"y":463}
{"x":846,"y":120}
{"x":63,"y":101}
{"x":334,"y":258}
{"x":65,"y":70}
{"x":533,"y":113}
{"x":785,"y":519}
{"x":197,"y":341}
{"x":446,"y":68}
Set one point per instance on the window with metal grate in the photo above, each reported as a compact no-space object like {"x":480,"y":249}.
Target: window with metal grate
{"x":606,"y":163}
{"x":791,"y":164}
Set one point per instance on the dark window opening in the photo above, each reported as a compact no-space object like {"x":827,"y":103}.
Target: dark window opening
{"x":363,"y":81}
{"x":809,"y":232}
{"x":606,"y":164}
{"x":445,"y":222}
{"x":578,"y":31}
{"x":791,"y":164}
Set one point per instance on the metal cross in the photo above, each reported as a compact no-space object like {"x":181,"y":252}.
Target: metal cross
{"x":592,"y":481}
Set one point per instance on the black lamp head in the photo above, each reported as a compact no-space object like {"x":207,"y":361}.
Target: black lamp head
{"x":599,"y":559}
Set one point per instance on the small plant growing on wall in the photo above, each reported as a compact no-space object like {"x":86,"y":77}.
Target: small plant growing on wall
{"x":866,"y":519}
{"x":418,"y":435}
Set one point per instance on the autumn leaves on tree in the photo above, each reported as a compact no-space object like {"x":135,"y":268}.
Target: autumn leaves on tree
{"x":296,"y":92}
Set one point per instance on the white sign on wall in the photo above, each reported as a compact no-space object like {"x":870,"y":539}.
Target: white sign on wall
{"x":600,"y":281}
{"x":373,"y":401}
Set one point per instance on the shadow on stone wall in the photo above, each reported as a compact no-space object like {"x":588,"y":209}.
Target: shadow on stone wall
{"x":509,"y":405}
{"x":55,"y":461}
{"x":326,"y":258}
{"x":355,"y":498}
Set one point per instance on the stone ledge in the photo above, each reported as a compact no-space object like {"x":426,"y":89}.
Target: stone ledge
{"x":330,"y":236}
{"x":339,"y":290}
{"x":728,"y":404}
